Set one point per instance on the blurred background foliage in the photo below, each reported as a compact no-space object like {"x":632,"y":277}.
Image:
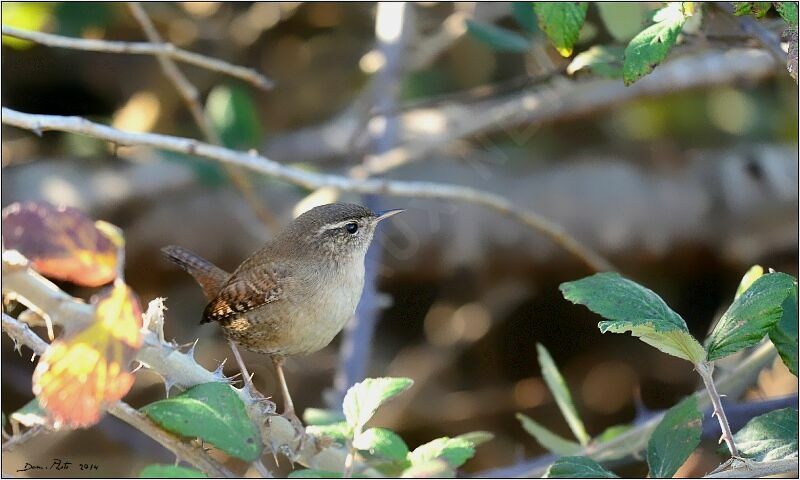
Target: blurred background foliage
{"x":687,"y":189}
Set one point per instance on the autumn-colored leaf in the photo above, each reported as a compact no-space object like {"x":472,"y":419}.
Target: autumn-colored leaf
{"x":61,"y":242}
{"x":78,"y":376}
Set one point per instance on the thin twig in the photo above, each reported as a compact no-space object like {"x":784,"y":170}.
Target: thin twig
{"x":312,"y":180}
{"x":763,"y":35}
{"x":142,"y":48}
{"x":17,"y":440}
{"x":704,"y":370}
{"x":192,"y":100}
{"x":786,"y":466}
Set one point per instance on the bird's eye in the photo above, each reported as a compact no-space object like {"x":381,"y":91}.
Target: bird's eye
{"x":351,"y":227}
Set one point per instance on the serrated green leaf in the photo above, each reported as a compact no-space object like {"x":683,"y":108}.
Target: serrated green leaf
{"x":623,"y":20}
{"x":771,"y":436}
{"x":650,"y":47}
{"x":755,"y":272}
{"x":340,"y":432}
{"x":612,"y":432}
{"x":234,"y":117}
{"x":577,"y":467}
{"x":751,"y":316}
{"x":363,"y":399}
{"x":605,"y":61}
{"x":382,"y":442}
{"x":784,"y":334}
{"x":454,"y":451}
{"x":477,"y":437}
{"x":497,"y":37}
{"x":30,"y":414}
{"x":674,"y":439}
{"x":435,"y":468}
{"x":524,"y":15}
{"x":321,"y":416}
{"x":213,"y":412}
{"x":555,"y":382}
{"x":787,"y":11}
{"x":562,"y":22}
{"x":549,"y":440}
{"x":757,"y":9}
{"x":632,"y":307}
{"x":170,"y":471}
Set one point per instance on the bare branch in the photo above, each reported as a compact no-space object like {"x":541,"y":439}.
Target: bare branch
{"x":312,"y":180}
{"x":192,"y":99}
{"x":142,"y":48}
{"x":750,"y":26}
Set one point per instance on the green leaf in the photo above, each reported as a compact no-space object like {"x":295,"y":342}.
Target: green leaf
{"x":30,"y":414}
{"x":605,"y":61}
{"x":340,"y":432}
{"x":498,"y":38}
{"x":562,"y":22}
{"x":477,"y":437}
{"x":751,"y":316}
{"x":234,"y":117}
{"x":612,"y":432}
{"x":382,"y":442}
{"x":650,"y":47}
{"x":213,"y":412}
{"x":524,"y":15}
{"x":432,"y":469}
{"x":549,"y":440}
{"x":674,"y":439}
{"x":788,"y":11}
{"x":771,"y":436}
{"x":577,"y":467}
{"x":170,"y":471}
{"x":321,"y":416}
{"x":561,"y":394}
{"x":755,"y":272}
{"x":784,"y":334}
{"x":623,"y":20}
{"x":25,"y":16}
{"x":632,"y":307}
{"x":311,"y":473}
{"x":454,"y":451}
{"x":363,"y":399}
{"x":757,"y":9}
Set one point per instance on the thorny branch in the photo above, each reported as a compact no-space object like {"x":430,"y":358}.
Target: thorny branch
{"x":312,"y":180}
{"x":142,"y":48}
{"x":766,"y":38}
{"x":192,"y":100}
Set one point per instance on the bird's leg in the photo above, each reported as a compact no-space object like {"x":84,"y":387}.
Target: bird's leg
{"x":288,"y":406}
{"x":248,"y":382}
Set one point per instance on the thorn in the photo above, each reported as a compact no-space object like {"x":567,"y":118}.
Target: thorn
{"x":721,"y":439}
{"x":138,"y":367}
{"x":168,"y":385}
{"x":18,"y":347}
{"x":219,"y":369}
{"x":275,"y":456}
{"x":37,"y":130}
{"x":33,"y":357}
{"x":190,"y":352}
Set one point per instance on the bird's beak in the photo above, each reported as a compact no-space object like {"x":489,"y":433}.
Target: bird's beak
{"x":388,"y":213}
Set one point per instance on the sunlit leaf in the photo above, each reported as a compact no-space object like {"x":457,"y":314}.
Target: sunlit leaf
{"x":784,"y":334}
{"x":549,"y":440}
{"x":435,"y":468}
{"x":454,"y":451}
{"x":321,"y":416}
{"x":169,"y":471}
{"x":477,"y":437}
{"x":562,"y":22}
{"x":623,"y":20}
{"x":30,"y":414}
{"x":605,"y":61}
{"x":497,"y":37}
{"x":787,"y":11}
{"x":757,"y":9}
{"x":213,"y":412}
{"x":674,"y":439}
{"x":79,"y":375}
{"x":232,"y":111}
{"x":25,"y":16}
{"x":382,"y":442}
{"x":560,"y":392}
{"x":751,"y":316}
{"x":339,"y":432}
{"x":771,"y":436}
{"x":61,"y":242}
{"x":577,"y":467}
{"x":632,"y":307}
{"x":363,"y":399}
{"x":650,"y":47}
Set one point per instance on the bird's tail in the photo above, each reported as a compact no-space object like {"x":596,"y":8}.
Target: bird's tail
{"x":210,"y":277}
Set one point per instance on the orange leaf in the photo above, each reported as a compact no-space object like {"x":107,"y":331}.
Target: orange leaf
{"x":61,"y":243}
{"x":79,"y":376}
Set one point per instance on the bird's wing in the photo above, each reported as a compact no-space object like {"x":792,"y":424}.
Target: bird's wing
{"x":246,"y":291}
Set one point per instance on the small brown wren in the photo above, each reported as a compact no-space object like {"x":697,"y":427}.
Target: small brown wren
{"x":294,"y":294}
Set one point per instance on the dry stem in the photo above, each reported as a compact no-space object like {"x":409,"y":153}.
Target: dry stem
{"x":704,"y":370}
